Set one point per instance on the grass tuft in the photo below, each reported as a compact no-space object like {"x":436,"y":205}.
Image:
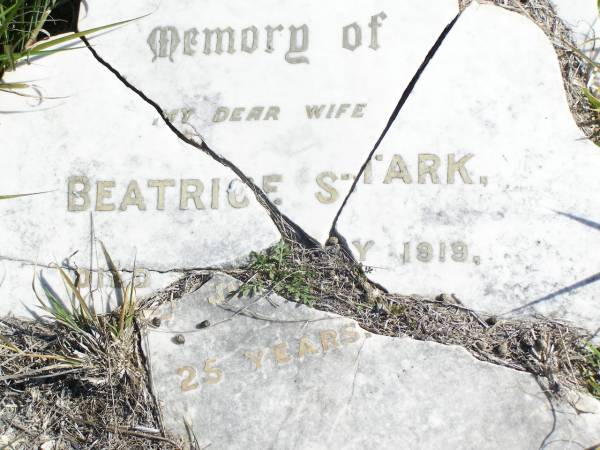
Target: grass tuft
{"x":77,"y":380}
{"x":80,"y":317}
{"x":21,"y":24}
{"x":22,"y":34}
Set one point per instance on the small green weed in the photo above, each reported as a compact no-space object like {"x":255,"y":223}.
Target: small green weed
{"x":592,"y":370}
{"x":276,"y":270}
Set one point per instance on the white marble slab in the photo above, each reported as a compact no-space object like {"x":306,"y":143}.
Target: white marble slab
{"x":265,"y":129}
{"x":582,"y":17}
{"x":279,"y":375}
{"x":518,"y":230}
{"x":95,"y":148}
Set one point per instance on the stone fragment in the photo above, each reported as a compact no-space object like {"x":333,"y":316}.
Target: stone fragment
{"x":484,"y":187}
{"x":295,"y":93}
{"x":581,"y":16}
{"x":156,"y":202}
{"x":274,"y":374}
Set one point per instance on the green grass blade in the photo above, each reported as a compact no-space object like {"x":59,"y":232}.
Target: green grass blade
{"x":593,"y":100}
{"x":46,"y":47}
{"x":13,"y":86}
{"x":70,"y":37}
{"x":119,"y":286}
{"x":8,"y":197}
{"x":85,"y":311}
{"x":32,"y":54}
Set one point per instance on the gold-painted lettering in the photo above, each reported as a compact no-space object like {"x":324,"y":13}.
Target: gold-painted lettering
{"x":280,"y":351}
{"x":363,"y":249}
{"x":186,"y":113}
{"x":397,"y":169}
{"x":163,"y":42}
{"x":349,"y":334}
{"x":133,"y":197}
{"x":84,"y":278}
{"x":171,"y":115}
{"x":368,"y":174}
{"x":141,"y":278}
{"x":270,"y":37}
{"x":268,"y":181}
{"x":429,"y":165}
{"x":255,"y":358}
{"x":356,"y":34}
{"x":103,"y":193}
{"x":221,"y":114}
{"x":216,"y":191}
{"x":298,"y":48}
{"x":330,"y":111}
{"x":78,"y":200}
{"x":232,"y":196}
{"x":189,"y":373}
{"x":249,"y":48}
{"x":314,"y":111}
{"x":359,"y":111}
{"x":186,"y":195}
{"x":424,"y":252}
{"x":374,"y":25}
{"x":342,"y":110}
{"x":190,"y":40}
{"x":273,"y":113}
{"x":213,"y":374}
{"x":255,"y":113}
{"x":328,"y":339}
{"x":208,"y":34}
{"x":333,"y":193}
{"x":460,"y":251}
{"x":236,"y":114}
{"x":459,"y":166}
{"x":161,"y":186}
{"x":306,"y":347}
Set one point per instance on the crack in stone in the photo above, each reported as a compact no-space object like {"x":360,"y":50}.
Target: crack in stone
{"x":283,"y":223}
{"x":405,"y":95}
{"x":67,"y":266}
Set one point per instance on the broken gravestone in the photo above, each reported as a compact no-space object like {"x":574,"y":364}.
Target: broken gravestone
{"x":105,"y":172}
{"x":296,"y":90}
{"x":484,"y":186}
{"x":267,"y":373}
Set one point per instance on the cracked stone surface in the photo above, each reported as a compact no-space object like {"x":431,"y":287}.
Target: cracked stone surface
{"x":508,"y":218}
{"x":249,"y":103}
{"x":18,"y":298}
{"x":93,"y":145}
{"x":269,"y":373}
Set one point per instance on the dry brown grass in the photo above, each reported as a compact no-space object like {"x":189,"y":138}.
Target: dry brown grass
{"x":554,"y":351}
{"x":101,"y":396}
{"x":93,"y":391}
{"x":69,"y":390}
